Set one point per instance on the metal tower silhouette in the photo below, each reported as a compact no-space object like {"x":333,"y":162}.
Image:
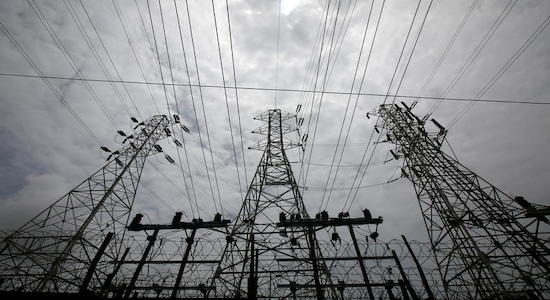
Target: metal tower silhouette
{"x":255,"y":237}
{"x":272,"y":249}
{"x":488,"y":245}
{"x":60,"y":248}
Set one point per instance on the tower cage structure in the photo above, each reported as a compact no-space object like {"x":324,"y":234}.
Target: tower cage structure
{"x":87,"y":246}
{"x":68,"y":247}
{"x":487,"y":244}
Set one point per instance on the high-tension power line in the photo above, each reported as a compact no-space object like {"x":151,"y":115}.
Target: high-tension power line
{"x":290,"y":90}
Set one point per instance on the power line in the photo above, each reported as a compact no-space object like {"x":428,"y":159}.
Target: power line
{"x":345,"y":115}
{"x":178,"y":110}
{"x":342,"y":34}
{"x":402,"y":50}
{"x":51,"y":32}
{"x":194,"y":107}
{"x":385,"y":99}
{"x":94,"y":51}
{"x":413,"y":48}
{"x":311,"y":64}
{"x":236,"y":93}
{"x":202,"y":103}
{"x":277,"y":57}
{"x":226,"y":101}
{"x":357,"y":99}
{"x":121,"y":19}
{"x":309,"y":76}
{"x":49,"y":84}
{"x":316,"y":111}
{"x":289,"y":90}
{"x":156,"y":47}
{"x":448,"y":47}
{"x":502,"y":70}
{"x":488,"y":35}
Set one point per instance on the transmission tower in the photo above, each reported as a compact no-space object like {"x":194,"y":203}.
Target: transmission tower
{"x":59,"y":250}
{"x":488,"y":245}
{"x":255,"y":242}
{"x":272,"y":249}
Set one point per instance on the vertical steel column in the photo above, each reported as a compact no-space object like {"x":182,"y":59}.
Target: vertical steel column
{"x":313,"y":258}
{"x":420,"y":270}
{"x":405,"y":279}
{"x":361,"y":262}
{"x":252,"y":280}
{"x":96,"y":259}
{"x":189,"y":241}
{"x":132,"y":284}
{"x":110,"y":277}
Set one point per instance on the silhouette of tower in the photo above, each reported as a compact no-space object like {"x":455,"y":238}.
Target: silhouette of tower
{"x":261,"y":258}
{"x":68,"y":247}
{"x":488,"y":245}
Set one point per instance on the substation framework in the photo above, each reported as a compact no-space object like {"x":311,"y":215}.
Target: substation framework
{"x":88,"y":245}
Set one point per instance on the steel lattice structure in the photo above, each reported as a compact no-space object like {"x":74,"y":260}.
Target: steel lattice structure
{"x":59,"y":250}
{"x":488,"y":245}
{"x":255,"y":241}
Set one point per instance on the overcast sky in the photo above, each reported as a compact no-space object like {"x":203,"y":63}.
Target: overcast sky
{"x":95,"y":58}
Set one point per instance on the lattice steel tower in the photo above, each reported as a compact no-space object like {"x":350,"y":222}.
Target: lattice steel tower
{"x":488,"y":245}
{"x":272,"y":249}
{"x":69,"y":246}
{"x":261,"y":257}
